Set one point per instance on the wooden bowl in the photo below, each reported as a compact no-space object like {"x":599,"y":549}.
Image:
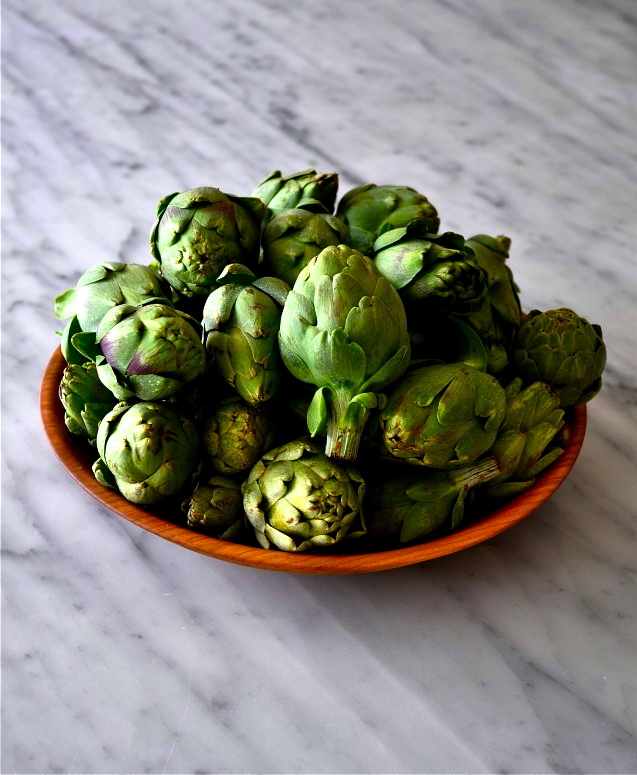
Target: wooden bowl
{"x":77,"y":457}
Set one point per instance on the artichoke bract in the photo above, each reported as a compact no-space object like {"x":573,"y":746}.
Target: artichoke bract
{"x":305,"y":190}
{"x":564,"y":350}
{"x":235,"y":435}
{"x":147,"y":451}
{"x":521,"y":449}
{"x":296,"y":498}
{"x":107,"y":285}
{"x":149,"y":351}
{"x":498,"y":318}
{"x":216,"y":508}
{"x":371,"y":210}
{"x":443,"y":415}
{"x":240,"y":328}
{"x":432,"y":271}
{"x":85,"y":399}
{"x":409,"y":508}
{"x":292,"y":239}
{"x":343,"y":329}
{"x":78,"y":346}
{"x":198,"y":232}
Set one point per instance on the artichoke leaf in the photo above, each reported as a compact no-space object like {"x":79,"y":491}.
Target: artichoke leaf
{"x":219,"y":306}
{"x":318,"y":413}
{"x":64,"y":306}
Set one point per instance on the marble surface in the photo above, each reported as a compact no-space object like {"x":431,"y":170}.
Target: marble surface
{"x":123,"y":653}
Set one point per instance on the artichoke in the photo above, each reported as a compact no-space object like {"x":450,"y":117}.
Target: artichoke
{"x":533,"y":419}
{"x":105,"y":286}
{"x":564,"y":350}
{"x":147,"y":451}
{"x":216,"y":508}
{"x":240,"y":325}
{"x":443,"y":415}
{"x":430,"y":271}
{"x":198,"y":232}
{"x":497,"y":320}
{"x":236,"y":434}
{"x":343,"y":329}
{"x":409,"y":507}
{"x":294,"y":237}
{"x":85,"y":399}
{"x":371,"y":210}
{"x":305,"y":190}
{"x":297,"y":499}
{"x":149,"y":351}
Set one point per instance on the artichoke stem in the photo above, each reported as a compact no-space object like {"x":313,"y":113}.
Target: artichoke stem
{"x":344,"y":431}
{"x":473,"y":474}
{"x":342,"y":443}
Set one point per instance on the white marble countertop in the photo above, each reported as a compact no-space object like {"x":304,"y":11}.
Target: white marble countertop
{"x":123,"y":653}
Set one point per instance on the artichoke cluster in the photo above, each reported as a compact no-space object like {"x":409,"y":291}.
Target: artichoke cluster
{"x":286,"y":352}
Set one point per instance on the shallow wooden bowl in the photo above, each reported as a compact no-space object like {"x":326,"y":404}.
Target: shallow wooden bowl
{"x":77,"y":457}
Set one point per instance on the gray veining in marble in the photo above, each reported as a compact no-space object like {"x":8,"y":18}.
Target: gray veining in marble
{"x":125,"y":654}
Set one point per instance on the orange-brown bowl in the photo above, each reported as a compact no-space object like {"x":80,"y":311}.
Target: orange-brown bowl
{"x":77,"y":457}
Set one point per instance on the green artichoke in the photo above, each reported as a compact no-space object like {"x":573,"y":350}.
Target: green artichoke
{"x":430,"y":271}
{"x":85,"y":399}
{"x":521,"y":448}
{"x":297,"y":499}
{"x":409,"y":507}
{"x":343,"y":329}
{"x":240,"y":324}
{"x":149,"y":351}
{"x":294,"y":237}
{"x":147,"y":451}
{"x":236,"y":434}
{"x":564,"y":350}
{"x":198,"y":232}
{"x":305,"y":190}
{"x":443,"y":415}
{"x":107,"y":285}
{"x":371,"y":210}
{"x":216,"y":508}
{"x":497,"y":320}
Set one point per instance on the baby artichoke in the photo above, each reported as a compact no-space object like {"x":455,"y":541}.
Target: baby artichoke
{"x":294,"y":237}
{"x":305,"y":190}
{"x":371,"y":210}
{"x":149,"y":351}
{"x":410,"y":507}
{"x":564,"y":350}
{"x":85,"y":399}
{"x":236,"y":434}
{"x":147,"y":451}
{"x":430,"y":271}
{"x":297,"y":499}
{"x":240,"y":327}
{"x":343,"y":329}
{"x":521,"y":448}
{"x":216,"y":508}
{"x":196,"y":233}
{"x":443,"y":415}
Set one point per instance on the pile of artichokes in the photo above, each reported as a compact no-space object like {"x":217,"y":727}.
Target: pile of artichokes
{"x":297,"y":373}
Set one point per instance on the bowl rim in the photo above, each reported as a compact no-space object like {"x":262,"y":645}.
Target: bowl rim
{"x":506,"y":515}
